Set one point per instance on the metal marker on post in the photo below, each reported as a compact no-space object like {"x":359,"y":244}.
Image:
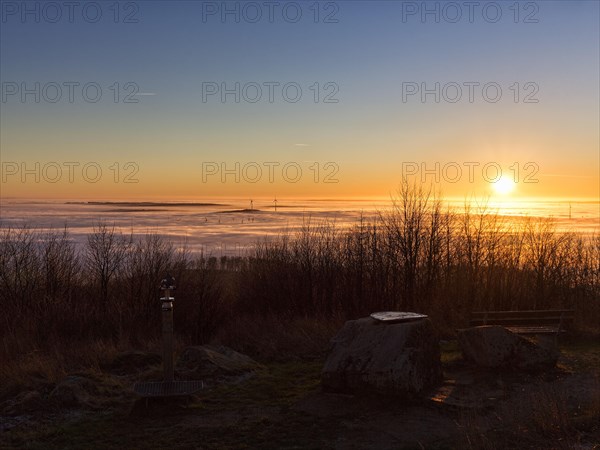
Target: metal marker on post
{"x":167,"y":285}
{"x":168,"y":387}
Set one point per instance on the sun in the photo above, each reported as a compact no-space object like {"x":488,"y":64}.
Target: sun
{"x":504,"y":186}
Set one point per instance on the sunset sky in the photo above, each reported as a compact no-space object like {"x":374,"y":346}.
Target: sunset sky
{"x":367,"y":56}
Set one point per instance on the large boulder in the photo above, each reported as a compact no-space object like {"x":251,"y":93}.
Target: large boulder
{"x":389,"y":358}
{"x":494,"y":346}
{"x":210,"y":361}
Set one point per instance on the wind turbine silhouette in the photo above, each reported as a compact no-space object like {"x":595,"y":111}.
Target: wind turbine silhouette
{"x":570,"y":209}
{"x":275,"y":201}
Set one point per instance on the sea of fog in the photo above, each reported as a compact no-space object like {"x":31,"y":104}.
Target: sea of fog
{"x":233,"y":226}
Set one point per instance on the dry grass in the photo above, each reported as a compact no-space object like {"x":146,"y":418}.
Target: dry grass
{"x":539,"y":417}
{"x":274,"y":338}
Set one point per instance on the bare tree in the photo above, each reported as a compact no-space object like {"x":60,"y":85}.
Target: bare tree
{"x":545,"y":253}
{"x":104,"y":256}
{"x":59,"y":263}
{"x":19,"y":267}
{"x":407,"y":225}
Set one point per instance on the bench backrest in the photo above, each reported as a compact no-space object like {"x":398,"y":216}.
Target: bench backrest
{"x":559,"y":317}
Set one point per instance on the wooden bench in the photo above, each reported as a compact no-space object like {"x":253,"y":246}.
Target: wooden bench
{"x":526,"y":322}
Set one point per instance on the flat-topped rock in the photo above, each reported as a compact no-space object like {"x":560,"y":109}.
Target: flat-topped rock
{"x":388,"y":358}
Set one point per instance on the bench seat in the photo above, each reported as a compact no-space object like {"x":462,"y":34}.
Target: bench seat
{"x":529,"y":322}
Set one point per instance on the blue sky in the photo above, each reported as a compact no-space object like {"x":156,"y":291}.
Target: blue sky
{"x":171,"y":51}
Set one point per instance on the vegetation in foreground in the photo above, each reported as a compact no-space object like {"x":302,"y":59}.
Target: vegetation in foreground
{"x":68,"y":310}
{"x":283,"y":407}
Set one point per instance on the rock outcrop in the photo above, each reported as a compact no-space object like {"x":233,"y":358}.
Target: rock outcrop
{"x":74,"y":391}
{"x":371,"y":356}
{"x":209,"y":361}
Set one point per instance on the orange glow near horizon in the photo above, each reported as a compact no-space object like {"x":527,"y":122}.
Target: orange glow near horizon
{"x":150,"y":180}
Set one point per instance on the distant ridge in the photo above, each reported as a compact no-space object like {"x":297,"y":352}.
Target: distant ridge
{"x":144,"y":204}
{"x":247,"y":210}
